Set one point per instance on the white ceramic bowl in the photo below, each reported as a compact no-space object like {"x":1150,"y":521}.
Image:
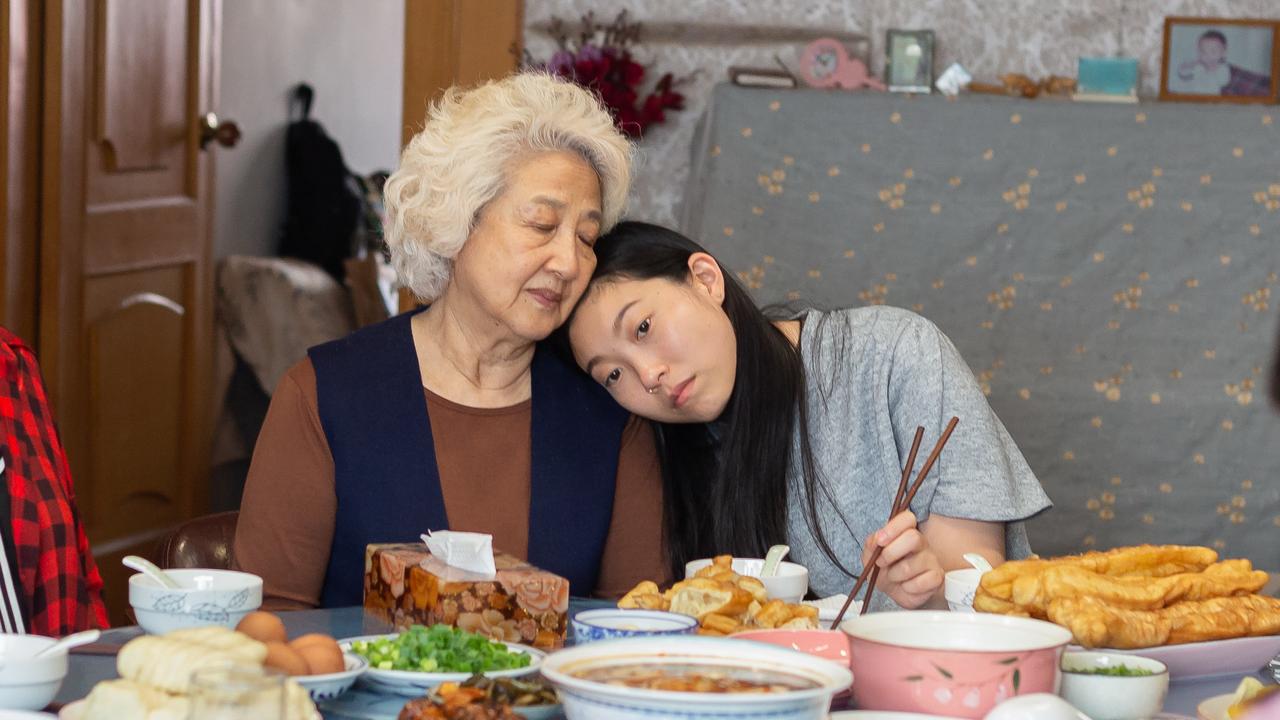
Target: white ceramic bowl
{"x":615,"y":623}
{"x":26,"y":683}
{"x":789,"y":585}
{"x":332,"y":685}
{"x":207,"y":597}
{"x":1114,"y":697}
{"x":591,"y":700}
{"x":959,"y":587}
{"x":1036,"y":706}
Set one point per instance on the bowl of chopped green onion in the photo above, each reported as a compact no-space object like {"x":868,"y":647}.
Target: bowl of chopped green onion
{"x":1114,"y":686}
{"x":414,"y":661}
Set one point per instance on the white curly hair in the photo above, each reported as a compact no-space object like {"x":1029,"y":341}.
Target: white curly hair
{"x":459,"y":162}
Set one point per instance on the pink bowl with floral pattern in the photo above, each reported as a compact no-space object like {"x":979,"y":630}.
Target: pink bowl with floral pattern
{"x":953,"y":664}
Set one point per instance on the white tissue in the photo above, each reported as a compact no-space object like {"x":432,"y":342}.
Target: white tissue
{"x":954,"y":79}
{"x":468,"y":551}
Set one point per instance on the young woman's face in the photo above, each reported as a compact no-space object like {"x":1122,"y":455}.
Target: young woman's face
{"x":665,"y":350}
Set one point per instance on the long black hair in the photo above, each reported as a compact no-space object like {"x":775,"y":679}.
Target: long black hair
{"x":725,"y":482}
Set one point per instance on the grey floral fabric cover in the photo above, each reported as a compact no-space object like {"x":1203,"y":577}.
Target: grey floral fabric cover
{"x":1106,"y":270}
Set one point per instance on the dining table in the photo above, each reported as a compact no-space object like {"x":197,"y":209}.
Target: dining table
{"x":97,"y":662}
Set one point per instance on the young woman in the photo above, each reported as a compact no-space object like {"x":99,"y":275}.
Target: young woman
{"x":795,"y":429}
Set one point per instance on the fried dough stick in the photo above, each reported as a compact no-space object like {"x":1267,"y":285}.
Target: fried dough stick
{"x":1139,"y":561}
{"x":1096,"y":624}
{"x":1033,"y":593}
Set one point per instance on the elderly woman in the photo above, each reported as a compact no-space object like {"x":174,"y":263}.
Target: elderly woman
{"x":454,"y":416}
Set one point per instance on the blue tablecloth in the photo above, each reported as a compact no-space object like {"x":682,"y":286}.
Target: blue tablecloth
{"x":360,"y":704}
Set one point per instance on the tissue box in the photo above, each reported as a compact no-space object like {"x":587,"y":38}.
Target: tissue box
{"x":407,"y":585}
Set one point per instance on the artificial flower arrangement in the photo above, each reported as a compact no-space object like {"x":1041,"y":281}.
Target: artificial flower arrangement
{"x":599,"y":58}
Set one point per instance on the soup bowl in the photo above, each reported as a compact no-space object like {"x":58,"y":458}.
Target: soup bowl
{"x":587,"y":678}
{"x":27,"y":682}
{"x":954,"y":664}
{"x":206,"y":597}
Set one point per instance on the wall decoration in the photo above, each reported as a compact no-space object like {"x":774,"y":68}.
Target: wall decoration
{"x":825,"y":63}
{"x":599,"y":58}
{"x":1220,"y":60}
{"x":908,"y":60}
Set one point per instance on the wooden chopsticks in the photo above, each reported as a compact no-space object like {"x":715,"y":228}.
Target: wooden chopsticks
{"x":901,"y":503}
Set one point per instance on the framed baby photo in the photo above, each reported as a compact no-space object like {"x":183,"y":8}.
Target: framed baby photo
{"x":1220,"y":60}
{"x":908,"y":61}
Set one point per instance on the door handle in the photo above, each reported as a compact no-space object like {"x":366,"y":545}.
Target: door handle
{"x":224,"y":132}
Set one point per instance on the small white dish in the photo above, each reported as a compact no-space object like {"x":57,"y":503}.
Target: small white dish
{"x":829,"y":608}
{"x":789,"y":585}
{"x":1238,"y":656}
{"x":1114,"y":697}
{"x":333,"y":685}
{"x":1037,"y":706}
{"x":416,"y":684}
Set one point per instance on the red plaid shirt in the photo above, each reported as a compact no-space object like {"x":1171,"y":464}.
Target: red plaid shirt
{"x":58,"y":582}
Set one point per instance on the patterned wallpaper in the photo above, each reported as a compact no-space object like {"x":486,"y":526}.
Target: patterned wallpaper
{"x":990,"y":37}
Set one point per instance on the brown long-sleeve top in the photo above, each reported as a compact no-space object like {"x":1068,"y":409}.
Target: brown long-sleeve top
{"x":485,"y":463}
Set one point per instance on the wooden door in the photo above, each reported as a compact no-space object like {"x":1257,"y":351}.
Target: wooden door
{"x":19,"y":160}
{"x":125,"y":286}
{"x":448,"y":42}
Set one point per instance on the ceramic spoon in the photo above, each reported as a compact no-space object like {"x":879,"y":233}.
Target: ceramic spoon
{"x":772,"y":559}
{"x":977,"y":561}
{"x":70,"y":641}
{"x":150,"y":569}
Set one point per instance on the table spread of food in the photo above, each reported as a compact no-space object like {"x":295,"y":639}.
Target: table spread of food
{"x":1100,"y":635}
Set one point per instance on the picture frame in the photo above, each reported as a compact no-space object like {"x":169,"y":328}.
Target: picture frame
{"x":1220,"y":60}
{"x":908,"y":60}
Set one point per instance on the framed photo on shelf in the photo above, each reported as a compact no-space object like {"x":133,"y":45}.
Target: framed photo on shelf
{"x":1220,"y":60}
{"x":908,"y":60}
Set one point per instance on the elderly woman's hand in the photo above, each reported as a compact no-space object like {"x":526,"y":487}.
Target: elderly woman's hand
{"x":910,"y":571}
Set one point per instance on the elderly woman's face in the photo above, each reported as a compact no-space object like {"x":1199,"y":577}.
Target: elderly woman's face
{"x":530,"y":256}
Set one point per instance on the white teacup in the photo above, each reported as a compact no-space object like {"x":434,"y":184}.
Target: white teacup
{"x":959,"y":587}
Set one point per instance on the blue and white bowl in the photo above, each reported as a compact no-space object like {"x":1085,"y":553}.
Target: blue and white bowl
{"x":333,"y":685}
{"x":207,"y":597}
{"x":587,"y":699}
{"x":614,"y":623}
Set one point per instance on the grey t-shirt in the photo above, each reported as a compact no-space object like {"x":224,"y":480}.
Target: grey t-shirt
{"x":873,"y":374}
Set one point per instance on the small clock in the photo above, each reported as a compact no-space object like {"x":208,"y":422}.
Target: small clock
{"x":825,"y":63}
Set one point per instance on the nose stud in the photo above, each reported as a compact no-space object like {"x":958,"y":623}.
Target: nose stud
{"x":652,"y":390}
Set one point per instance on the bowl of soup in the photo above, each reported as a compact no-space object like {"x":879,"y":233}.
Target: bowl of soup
{"x":949,"y":663}
{"x":692,"y":678}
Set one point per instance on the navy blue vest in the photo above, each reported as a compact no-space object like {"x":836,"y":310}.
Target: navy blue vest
{"x":374,"y":414}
